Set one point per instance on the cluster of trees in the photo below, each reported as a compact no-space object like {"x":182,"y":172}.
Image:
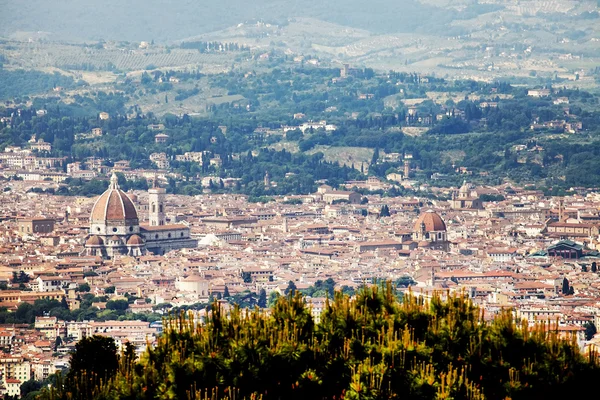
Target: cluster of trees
{"x":207,"y":47}
{"x":115,"y":310}
{"x":21,"y":83}
{"x":373,"y":347}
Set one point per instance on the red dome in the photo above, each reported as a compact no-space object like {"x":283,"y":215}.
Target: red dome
{"x":433,"y":222}
{"x":113,"y":205}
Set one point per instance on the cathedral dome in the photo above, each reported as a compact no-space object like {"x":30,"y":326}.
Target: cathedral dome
{"x":433,"y":222}
{"x":113,"y":205}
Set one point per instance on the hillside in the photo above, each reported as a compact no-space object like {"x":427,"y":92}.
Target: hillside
{"x":373,"y":347}
{"x":164,"y":21}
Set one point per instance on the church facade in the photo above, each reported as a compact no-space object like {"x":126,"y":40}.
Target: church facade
{"x":467,"y":199}
{"x":115,"y":228}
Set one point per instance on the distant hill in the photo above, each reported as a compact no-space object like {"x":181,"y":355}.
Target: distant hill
{"x":164,"y":21}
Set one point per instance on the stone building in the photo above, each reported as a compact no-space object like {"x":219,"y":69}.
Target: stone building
{"x":35,"y":225}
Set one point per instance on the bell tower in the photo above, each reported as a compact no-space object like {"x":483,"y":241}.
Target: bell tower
{"x":156,"y":204}
{"x":406,"y":169}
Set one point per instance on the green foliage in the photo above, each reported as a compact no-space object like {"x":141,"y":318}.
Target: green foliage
{"x":385,"y":211}
{"x":18,"y":83}
{"x":373,"y":347}
{"x":294,"y":135}
{"x":590,"y":330}
{"x":291,"y":288}
{"x":20,"y":277}
{"x":262,"y":299}
{"x":84,"y":287}
{"x":480,"y":138}
{"x":26,"y":313}
{"x":491,"y":197}
{"x":95,"y":361}
{"x":30,"y":388}
{"x":120,"y":305}
{"x":321,"y":289}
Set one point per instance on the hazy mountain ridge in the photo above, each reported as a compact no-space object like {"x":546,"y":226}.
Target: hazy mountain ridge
{"x":166,"y":21}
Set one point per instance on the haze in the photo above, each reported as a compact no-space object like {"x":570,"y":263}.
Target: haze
{"x":164,"y":21}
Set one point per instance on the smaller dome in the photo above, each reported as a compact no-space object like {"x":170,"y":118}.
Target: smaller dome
{"x":465,"y":189}
{"x":94,"y":241}
{"x":135,"y":240}
{"x":115,"y":238}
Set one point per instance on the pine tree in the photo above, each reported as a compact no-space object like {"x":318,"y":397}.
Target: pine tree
{"x":375,"y":156}
{"x":565,"y":286}
{"x":291,"y":288}
{"x":385,"y":211}
{"x":262,"y":299}
{"x":95,"y":360}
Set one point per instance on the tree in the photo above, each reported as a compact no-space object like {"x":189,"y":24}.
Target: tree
{"x":21,"y":277}
{"x":84,"y":287}
{"x":109,"y":290}
{"x":375,"y":156}
{"x":594,"y":266}
{"x":30,"y":387}
{"x":246,"y":277}
{"x":590,"y":330}
{"x":262,"y":298}
{"x":226,"y":293}
{"x":565,"y":286}
{"x":273,"y":297}
{"x":291,"y":288}
{"x":117,"y":305}
{"x":384,"y":212}
{"x":95,"y":359}
{"x":57,"y":343}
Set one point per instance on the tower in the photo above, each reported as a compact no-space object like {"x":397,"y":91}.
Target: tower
{"x":285,"y":225}
{"x":267,"y":180}
{"x":561,"y":209}
{"x":156,"y":204}
{"x":406,"y":169}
